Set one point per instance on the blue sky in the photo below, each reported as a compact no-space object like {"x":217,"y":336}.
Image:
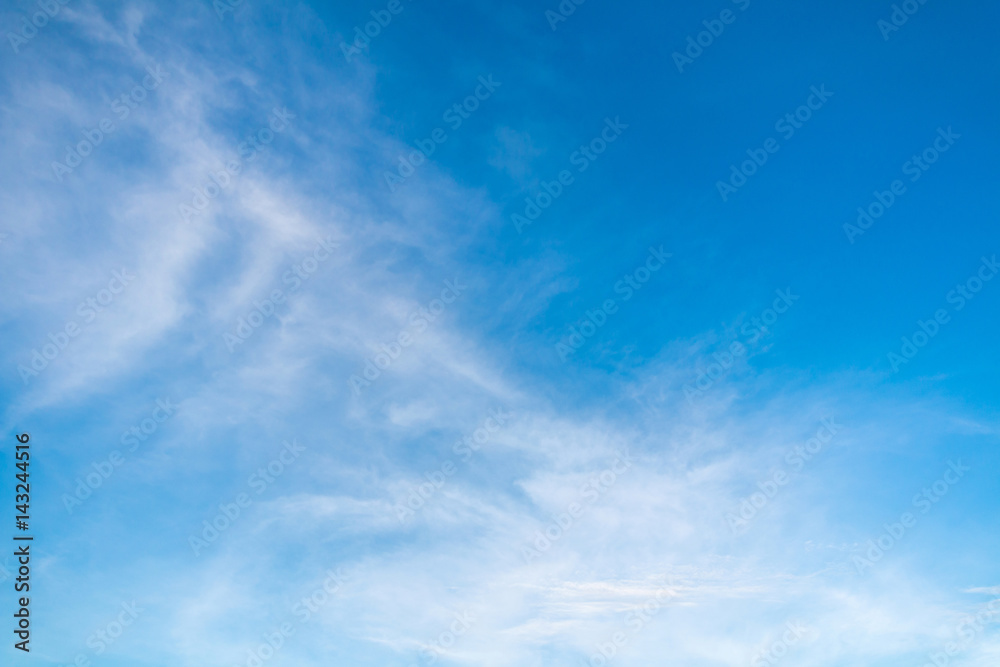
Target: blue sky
{"x":389,"y":400}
